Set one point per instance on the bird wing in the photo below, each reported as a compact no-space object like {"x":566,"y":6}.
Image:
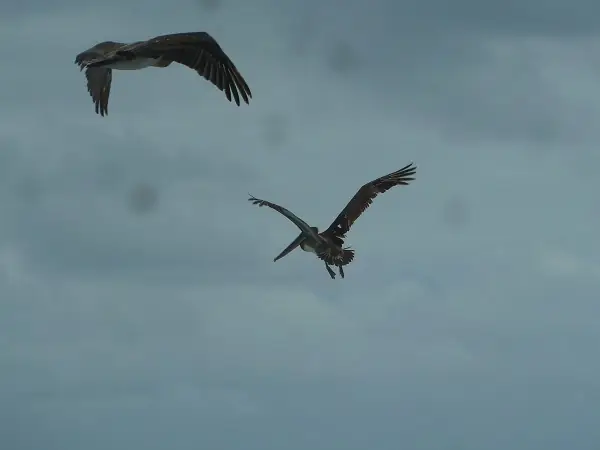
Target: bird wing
{"x":98,"y":85}
{"x":301,"y":224}
{"x":365,"y":196}
{"x":98,"y":78}
{"x":201,"y":52}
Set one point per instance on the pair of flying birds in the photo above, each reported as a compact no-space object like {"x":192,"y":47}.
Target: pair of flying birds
{"x":201,"y":52}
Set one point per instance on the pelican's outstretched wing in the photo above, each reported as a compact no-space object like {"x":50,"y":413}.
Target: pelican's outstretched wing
{"x":365,"y":196}
{"x":198,"y":51}
{"x":301,"y":224}
{"x":98,"y":78}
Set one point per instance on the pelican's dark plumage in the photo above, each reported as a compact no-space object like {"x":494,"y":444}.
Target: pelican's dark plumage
{"x":197,"y":50}
{"x":329,"y":244}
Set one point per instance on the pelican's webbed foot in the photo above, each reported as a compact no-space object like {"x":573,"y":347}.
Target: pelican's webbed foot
{"x":341,"y":271}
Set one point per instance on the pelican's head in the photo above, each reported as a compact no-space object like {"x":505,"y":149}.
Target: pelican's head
{"x":295,"y":243}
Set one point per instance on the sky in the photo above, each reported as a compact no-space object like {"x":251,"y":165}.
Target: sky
{"x":140,"y":307}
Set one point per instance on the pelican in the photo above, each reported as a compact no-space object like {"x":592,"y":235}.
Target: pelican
{"x":329,"y":244}
{"x":197,"y":50}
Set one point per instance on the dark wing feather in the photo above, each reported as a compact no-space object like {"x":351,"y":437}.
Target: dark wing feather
{"x":98,"y":84}
{"x":365,"y":196}
{"x":301,"y":224}
{"x":98,"y":78}
{"x":198,"y":51}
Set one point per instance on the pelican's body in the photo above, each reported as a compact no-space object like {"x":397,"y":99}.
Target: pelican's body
{"x":197,"y":50}
{"x":133,"y":64}
{"x":329,"y":244}
{"x":308,"y":246}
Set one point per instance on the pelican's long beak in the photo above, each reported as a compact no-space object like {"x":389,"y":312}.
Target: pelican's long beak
{"x":295,"y":243}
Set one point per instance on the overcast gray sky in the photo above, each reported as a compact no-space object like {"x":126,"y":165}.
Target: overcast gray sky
{"x":139,"y":304}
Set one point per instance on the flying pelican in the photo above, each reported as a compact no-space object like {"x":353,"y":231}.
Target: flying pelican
{"x":197,"y":50}
{"x":329,"y":244}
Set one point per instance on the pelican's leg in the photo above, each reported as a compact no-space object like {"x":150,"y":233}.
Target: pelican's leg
{"x":341,"y":271}
{"x":331,"y":272}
